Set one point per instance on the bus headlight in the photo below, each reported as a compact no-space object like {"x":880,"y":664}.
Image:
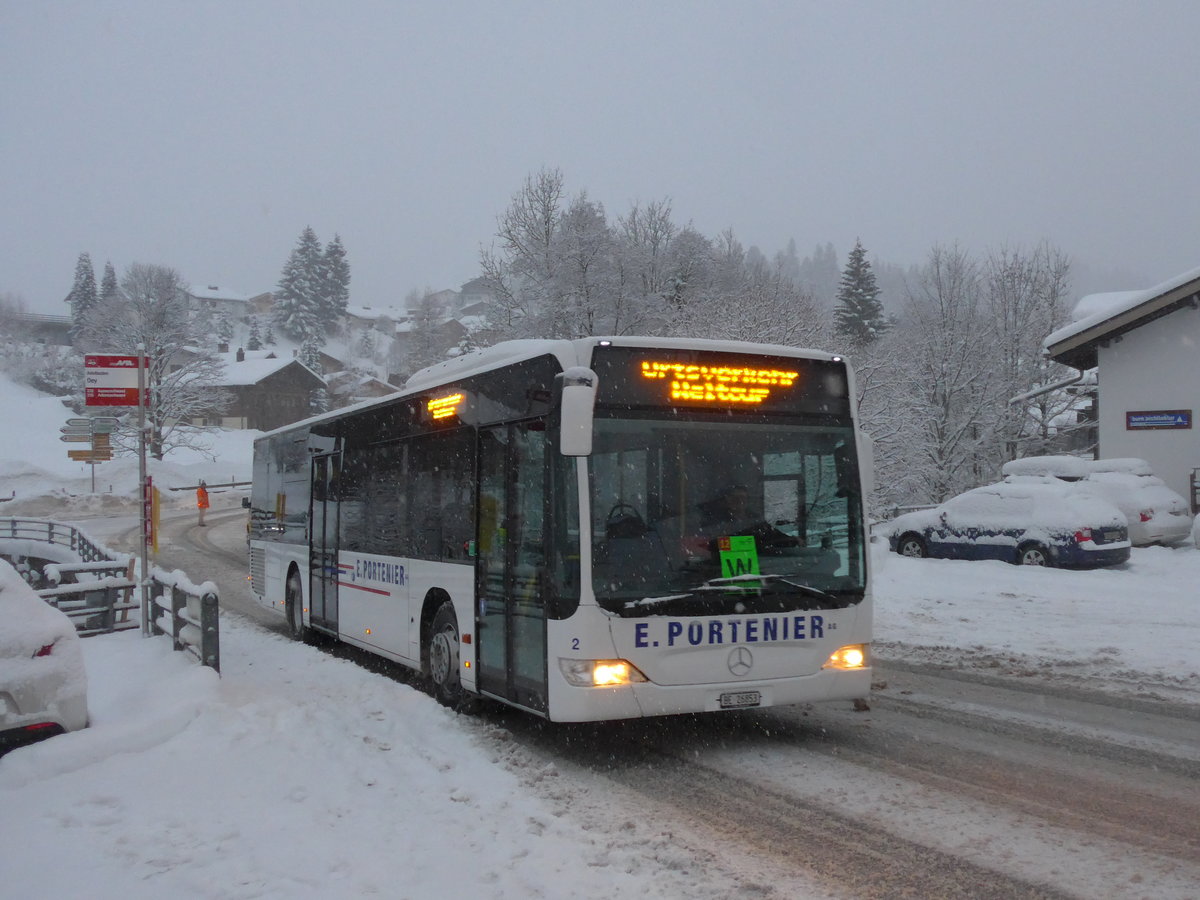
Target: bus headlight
{"x":599,"y":672}
{"x":852,"y":656}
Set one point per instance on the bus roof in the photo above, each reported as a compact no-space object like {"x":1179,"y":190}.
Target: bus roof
{"x":567,"y":352}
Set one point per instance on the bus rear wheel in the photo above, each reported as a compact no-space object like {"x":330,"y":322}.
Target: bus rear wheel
{"x":294,"y":607}
{"x":444,"y":667}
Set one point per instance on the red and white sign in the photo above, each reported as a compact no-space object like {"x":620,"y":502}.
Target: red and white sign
{"x":110,"y":380}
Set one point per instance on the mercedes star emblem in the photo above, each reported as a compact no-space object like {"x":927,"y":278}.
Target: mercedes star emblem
{"x":741,"y":661}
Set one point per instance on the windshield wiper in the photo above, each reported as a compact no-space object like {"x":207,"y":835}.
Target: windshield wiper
{"x":807,"y":589}
{"x":734,"y":582}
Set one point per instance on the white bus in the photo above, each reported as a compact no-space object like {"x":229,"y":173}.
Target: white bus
{"x":595,"y":529}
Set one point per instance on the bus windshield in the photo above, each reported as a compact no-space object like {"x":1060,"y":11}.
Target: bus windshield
{"x":708,"y":514}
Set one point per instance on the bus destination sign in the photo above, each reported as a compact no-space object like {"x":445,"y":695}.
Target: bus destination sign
{"x":663,"y":378}
{"x":723,"y":384}
{"x":444,"y":407}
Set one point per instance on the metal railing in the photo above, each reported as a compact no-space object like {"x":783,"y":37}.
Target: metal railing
{"x":97,"y":596}
{"x":57,"y":533}
{"x":188,"y":614}
{"x":98,"y":593}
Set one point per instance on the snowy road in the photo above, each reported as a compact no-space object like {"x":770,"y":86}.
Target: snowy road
{"x":952,"y":784}
{"x":942,"y":785}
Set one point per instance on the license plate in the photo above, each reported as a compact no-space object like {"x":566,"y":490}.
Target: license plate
{"x":1110,"y":536}
{"x":740,"y":699}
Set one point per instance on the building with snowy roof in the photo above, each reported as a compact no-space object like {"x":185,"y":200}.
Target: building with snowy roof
{"x":1145,"y":346}
{"x":219,"y":301}
{"x":268,"y":391}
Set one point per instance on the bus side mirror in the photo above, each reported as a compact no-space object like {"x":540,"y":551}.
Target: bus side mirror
{"x":577,"y":401}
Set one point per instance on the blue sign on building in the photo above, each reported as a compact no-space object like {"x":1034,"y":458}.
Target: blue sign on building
{"x":1158,"y":418}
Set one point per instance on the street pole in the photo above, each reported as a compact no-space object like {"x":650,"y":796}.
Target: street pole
{"x":143,"y":402}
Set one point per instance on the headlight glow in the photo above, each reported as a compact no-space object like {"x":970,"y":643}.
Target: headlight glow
{"x":599,"y":672}
{"x":852,"y":656}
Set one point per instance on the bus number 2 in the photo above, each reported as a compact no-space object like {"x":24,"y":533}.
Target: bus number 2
{"x":574,"y":643}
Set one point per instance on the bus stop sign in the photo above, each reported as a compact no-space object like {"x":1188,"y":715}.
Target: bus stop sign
{"x":110,"y":380}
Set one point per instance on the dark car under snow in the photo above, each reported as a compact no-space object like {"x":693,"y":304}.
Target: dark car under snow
{"x":1043,"y":522}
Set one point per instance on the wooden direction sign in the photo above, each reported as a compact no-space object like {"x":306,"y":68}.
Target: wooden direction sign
{"x":90,"y":456}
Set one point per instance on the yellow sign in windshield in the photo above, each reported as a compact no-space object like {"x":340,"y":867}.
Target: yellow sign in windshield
{"x":717,"y":384}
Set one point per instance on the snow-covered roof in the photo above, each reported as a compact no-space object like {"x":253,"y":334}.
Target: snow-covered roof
{"x":256,"y":366}
{"x":374,"y":312}
{"x":214,"y":292}
{"x":1107,"y":315}
{"x":1094,"y":304}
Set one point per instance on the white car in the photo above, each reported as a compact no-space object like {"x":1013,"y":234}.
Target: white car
{"x":43,"y":684}
{"x":1156,"y":514}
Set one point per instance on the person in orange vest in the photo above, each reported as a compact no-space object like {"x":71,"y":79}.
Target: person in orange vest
{"x":202,"y":500}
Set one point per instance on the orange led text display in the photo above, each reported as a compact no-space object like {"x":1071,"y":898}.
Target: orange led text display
{"x":717,"y":384}
{"x":444,"y":407}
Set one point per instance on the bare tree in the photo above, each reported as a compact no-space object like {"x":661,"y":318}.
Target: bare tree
{"x":1027,"y":299}
{"x":945,"y":371}
{"x":182,"y":375}
{"x":646,"y":234}
{"x":523,"y":269}
{"x":592,"y":290}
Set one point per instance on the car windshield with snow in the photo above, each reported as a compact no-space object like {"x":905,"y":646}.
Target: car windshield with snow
{"x":1039,"y":522}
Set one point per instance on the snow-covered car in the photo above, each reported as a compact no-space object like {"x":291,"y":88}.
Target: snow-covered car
{"x":43,"y":684}
{"x":1155,"y":513}
{"x":1031,"y":521}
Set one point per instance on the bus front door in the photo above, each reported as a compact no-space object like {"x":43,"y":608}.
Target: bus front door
{"x":323,"y":541}
{"x":510,"y":564}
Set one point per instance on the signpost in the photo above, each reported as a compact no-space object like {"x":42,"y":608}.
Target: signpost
{"x":94,"y":430}
{"x":117,"y":380}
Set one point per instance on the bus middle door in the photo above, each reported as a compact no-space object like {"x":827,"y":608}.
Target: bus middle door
{"x":510,"y":564}
{"x":323,"y":542}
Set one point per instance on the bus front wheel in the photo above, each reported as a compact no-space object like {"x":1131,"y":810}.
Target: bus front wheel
{"x":444,"y":642}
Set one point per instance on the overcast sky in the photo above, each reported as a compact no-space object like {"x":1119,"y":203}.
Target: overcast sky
{"x":206,"y":135}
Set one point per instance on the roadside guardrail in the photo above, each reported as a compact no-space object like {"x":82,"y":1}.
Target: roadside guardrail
{"x":98,"y":592}
{"x":96,"y":596}
{"x":188,"y":613}
{"x":57,"y":533}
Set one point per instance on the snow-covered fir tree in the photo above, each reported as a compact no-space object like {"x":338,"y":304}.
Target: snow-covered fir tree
{"x":366,"y":345}
{"x":310,"y":353}
{"x":335,"y":272}
{"x":254,"y":341}
{"x":83,"y":295}
{"x":109,"y":289}
{"x":858,"y":318}
{"x":298,"y":311}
